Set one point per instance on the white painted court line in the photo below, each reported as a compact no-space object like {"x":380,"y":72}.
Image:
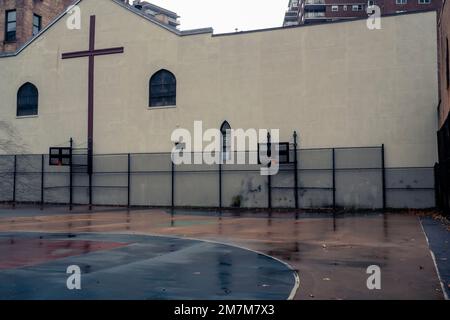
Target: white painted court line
{"x":295,"y":274}
{"x":444,"y":292}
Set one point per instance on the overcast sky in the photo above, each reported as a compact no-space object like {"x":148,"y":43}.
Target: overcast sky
{"x":227,"y":15}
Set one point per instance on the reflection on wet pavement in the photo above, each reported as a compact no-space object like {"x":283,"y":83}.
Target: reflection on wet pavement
{"x":138,"y":267}
{"x":330,"y":253}
{"x":18,"y":252}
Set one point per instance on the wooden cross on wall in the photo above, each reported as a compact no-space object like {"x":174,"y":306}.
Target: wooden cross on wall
{"x":91,"y":53}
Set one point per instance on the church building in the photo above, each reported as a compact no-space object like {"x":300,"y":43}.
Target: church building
{"x":124,"y":82}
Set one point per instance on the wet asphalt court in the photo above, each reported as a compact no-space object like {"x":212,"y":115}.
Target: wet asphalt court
{"x":138,"y":267}
{"x":153,"y":254}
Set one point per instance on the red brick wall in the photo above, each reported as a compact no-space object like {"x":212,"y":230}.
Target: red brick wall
{"x":349,"y":13}
{"x":444,"y":34}
{"x":390,"y":6}
{"x":47,"y":9}
{"x":386,"y":6}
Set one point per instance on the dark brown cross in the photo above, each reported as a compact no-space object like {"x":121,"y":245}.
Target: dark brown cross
{"x":91,"y":53}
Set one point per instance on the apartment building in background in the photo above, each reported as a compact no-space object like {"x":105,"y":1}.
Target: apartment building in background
{"x":164,"y":16}
{"x":316,"y":11}
{"x":444,"y":73}
{"x":442,"y":169}
{"x":20,"y":20}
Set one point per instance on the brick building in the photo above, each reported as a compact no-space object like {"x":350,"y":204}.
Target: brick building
{"x":164,"y":16}
{"x":313,"y":11}
{"x":20,"y":20}
{"x":443,"y":169}
{"x":444,"y":72}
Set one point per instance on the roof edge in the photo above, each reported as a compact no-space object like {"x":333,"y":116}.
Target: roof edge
{"x":199,"y":31}
{"x":123,"y":5}
{"x":322,"y":23}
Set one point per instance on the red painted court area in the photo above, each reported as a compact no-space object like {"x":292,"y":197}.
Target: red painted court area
{"x":19,"y":252}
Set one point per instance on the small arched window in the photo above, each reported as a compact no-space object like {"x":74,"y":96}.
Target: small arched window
{"x":225,"y":130}
{"x":163,"y":89}
{"x":27,"y":100}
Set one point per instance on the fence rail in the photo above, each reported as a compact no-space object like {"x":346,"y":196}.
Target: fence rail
{"x":315,"y":178}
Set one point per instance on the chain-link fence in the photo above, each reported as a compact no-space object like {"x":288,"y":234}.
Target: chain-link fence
{"x":351,"y":178}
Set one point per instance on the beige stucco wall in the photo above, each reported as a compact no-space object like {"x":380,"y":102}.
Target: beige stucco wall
{"x":336,"y":84}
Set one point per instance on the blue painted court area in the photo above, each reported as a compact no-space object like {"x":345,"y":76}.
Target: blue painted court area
{"x":34,"y":265}
{"x":439,"y":240}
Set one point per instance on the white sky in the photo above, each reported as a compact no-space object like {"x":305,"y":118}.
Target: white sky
{"x":227,"y":15}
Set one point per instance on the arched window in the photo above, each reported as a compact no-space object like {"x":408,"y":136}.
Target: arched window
{"x":225,"y":130}
{"x":163,"y":89}
{"x":27,"y":100}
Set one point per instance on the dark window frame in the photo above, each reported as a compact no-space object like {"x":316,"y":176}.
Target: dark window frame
{"x":225,"y":141}
{"x":8,"y":37}
{"x":162,"y":89}
{"x":38,"y":26}
{"x":27,"y":100}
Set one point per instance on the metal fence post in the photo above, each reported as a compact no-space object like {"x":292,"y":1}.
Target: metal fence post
{"x":436,"y":186}
{"x":383,"y":172}
{"x":269,"y":177}
{"x":334,"y":179}
{"x":71,"y":177}
{"x":128,"y":180}
{"x":90,"y":173}
{"x":14,"y":181}
{"x":173,"y":185}
{"x":220,"y":184}
{"x":42,"y":182}
{"x":445,"y":179}
{"x":295,"y":171}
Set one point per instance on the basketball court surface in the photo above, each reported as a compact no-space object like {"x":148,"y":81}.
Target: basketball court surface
{"x":163,"y":254}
